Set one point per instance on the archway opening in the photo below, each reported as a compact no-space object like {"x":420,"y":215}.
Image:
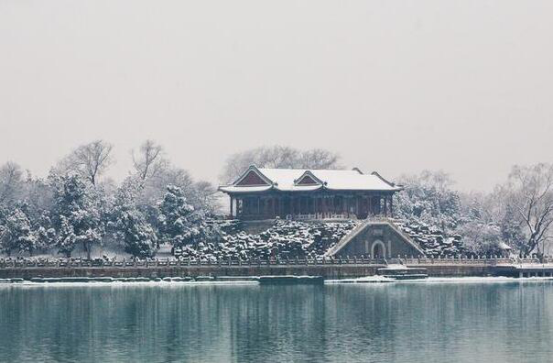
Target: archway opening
{"x":378,"y":250}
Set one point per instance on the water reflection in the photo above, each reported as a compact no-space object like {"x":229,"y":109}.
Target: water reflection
{"x":509,"y":322}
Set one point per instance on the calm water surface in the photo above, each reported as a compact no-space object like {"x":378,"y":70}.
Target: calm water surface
{"x":400,"y":322}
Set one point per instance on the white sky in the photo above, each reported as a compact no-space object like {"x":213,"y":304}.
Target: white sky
{"x":392,"y":85}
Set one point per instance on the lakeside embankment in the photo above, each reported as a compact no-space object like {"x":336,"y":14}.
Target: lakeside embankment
{"x":326,"y":268}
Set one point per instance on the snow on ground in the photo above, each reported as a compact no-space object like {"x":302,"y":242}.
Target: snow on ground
{"x":476,"y":280}
{"x":366,"y":279}
{"x":527,"y":265}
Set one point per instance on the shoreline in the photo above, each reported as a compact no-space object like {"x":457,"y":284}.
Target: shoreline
{"x":255,"y":281}
{"x":339,"y":269}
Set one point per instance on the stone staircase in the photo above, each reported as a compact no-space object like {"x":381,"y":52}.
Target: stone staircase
{"x":346,"y":239}
{"x":362,"y":226}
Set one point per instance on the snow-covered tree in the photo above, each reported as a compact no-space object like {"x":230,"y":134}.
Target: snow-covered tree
{"x":17,"y":234}
{"x":45,"y":237}
{"x":37,"y":195}
{"x":278,"y":157}
{"x":155,"y":172}
{"x":11,"y":183}
{"x":527,"y":197}
{"x":129,"y":224}
{"x":154,"y":187}
{"x":78,"y":214}
{"x":66,"y":238}
{"x":178,"y":222}
{"x":90,"y":161}
{"x":481,"y":238}
{"x":206,"y":197}
{"x":149,"y":160}
{"x":511,"y":226}
{"x":429,"y":198}
{"x":318,"y":159}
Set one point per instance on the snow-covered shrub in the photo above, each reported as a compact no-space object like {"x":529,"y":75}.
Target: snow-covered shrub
{"x":285,"y":239}
{"x":432,"y":239}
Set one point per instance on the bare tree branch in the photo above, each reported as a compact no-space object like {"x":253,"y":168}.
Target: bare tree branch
{"x":279,"y":157}
{"x":10,"y":181}
{"x":149,"y":161}
{"x":90,"y":160}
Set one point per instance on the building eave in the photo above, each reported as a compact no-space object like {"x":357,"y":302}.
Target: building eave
{"x":307,"y":189}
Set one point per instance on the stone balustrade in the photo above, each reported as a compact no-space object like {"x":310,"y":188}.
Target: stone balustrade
{"x":347,"y":260}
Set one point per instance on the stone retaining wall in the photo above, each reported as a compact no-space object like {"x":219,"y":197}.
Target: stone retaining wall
{"x":327,"y":271}
{"x":328,"y":268}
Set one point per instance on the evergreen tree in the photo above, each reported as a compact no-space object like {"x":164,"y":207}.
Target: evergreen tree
{"x":129,"y":224}
{"x":17,"y":233}
{"x":44,"y":231}
{"x":66,"y":239}
{"x":179,"y":223}
{"x":78,"y":214}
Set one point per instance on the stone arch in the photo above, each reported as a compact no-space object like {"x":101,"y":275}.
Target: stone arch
{"x":378,"y":249}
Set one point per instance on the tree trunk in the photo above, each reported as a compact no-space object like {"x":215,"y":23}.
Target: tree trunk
{"x":87,"y":247}
{"x":531,"y":245}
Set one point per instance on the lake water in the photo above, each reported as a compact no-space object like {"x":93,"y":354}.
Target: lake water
{"x":398,"y":322}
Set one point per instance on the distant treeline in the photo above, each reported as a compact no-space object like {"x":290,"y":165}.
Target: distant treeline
{"x":76,"y":205}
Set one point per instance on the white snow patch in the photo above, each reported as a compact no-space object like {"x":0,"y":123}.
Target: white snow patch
{"x":366,"y":279}
{"x":475,"y":280}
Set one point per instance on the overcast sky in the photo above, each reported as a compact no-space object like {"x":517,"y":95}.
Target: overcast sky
{"x":396,"y":86}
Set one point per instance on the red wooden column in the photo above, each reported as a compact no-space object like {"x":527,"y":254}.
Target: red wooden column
{"x":369,"y":205}
{"x":318,"y":205}
{"x":292,"y":206}
{"x":235,"y":207}
{"x":263,"y":202}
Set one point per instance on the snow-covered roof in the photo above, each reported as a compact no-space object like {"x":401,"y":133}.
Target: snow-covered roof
{"x":261,"y":179}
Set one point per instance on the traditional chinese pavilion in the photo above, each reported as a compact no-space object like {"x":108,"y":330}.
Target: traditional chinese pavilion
{"x":309,"y":194}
